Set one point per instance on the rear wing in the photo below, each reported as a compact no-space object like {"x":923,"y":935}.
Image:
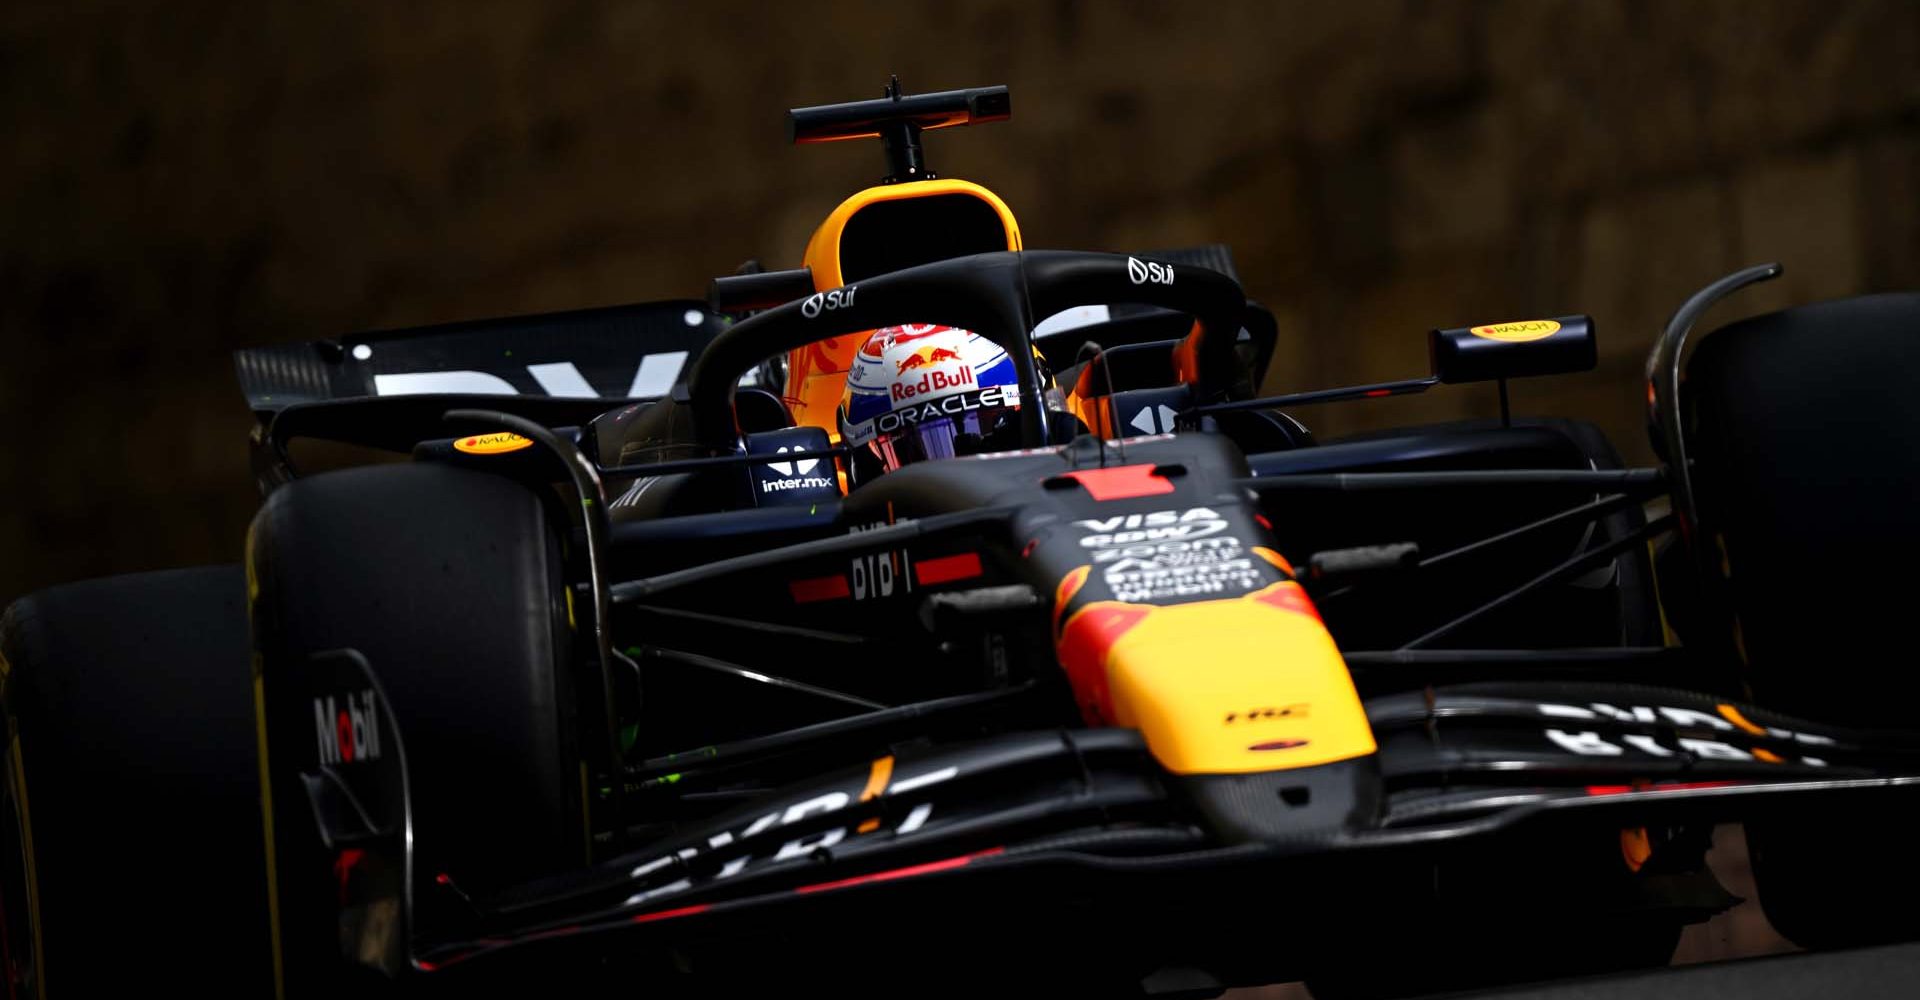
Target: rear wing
{"x":614,"y":353}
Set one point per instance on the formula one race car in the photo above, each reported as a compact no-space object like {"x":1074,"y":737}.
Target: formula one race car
{"x":945,"y":616}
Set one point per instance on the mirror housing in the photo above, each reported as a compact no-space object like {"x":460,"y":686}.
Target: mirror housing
{"x":1512,"y":350}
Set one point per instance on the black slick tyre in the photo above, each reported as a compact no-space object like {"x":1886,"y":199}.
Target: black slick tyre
{"x":449,"y":583}
{"x":131,"y":840}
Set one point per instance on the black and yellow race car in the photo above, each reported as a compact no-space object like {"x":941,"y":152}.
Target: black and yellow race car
{"x":619,"y":657}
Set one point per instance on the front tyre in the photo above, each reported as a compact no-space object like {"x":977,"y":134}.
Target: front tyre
{"x":129,"y":833}
{"x":449,"y":583}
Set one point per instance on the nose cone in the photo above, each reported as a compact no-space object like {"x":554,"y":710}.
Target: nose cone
{"x":1233,"y":686}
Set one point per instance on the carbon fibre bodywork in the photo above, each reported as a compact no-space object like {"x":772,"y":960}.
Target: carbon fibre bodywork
{"x":1210,"y":696}
{"x":1093,"y":666}
{"x":980,"y":557}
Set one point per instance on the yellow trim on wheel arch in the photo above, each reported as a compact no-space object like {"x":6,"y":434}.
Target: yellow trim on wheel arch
{"x":586,"y":814}
{"x":266,"y":785}
{"x":17,"y":774}
{"x":266,"y":823}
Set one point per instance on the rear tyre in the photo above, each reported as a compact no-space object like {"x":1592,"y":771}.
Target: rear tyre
{"x":449,"y":583}
{"x":130,"y":840}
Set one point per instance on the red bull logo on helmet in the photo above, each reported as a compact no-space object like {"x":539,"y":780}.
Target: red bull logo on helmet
{"x":933,"y":381}
{"x":925,"y":357}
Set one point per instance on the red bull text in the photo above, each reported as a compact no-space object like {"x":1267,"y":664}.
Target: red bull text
{"x":961,"y":377}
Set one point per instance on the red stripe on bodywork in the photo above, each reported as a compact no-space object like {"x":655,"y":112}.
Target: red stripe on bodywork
{"x":819,"y":588}
{"x":1122,"y":482}
{"x":684,"y":911}
{"x":947,"y":569}
{"x":908,"y":872}
{"x":1674,"y":787}
{"x":687,"y":911}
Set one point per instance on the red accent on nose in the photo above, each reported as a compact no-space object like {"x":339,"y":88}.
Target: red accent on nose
{"x":1123,"y":482}
{"x":1083,"y":647}
{"x":1279,"y":745}
{"x":1289,"y":597}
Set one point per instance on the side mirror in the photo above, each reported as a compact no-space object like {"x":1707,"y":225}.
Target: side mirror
{"x":1513,"y":350}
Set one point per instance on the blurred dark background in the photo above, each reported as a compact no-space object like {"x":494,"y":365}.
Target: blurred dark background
{"x":182,"y":179}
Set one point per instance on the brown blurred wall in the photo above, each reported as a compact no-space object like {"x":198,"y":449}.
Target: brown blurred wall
{"x":180,"y":179}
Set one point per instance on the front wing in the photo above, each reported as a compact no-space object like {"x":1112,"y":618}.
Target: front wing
{"x":1020,"y":828}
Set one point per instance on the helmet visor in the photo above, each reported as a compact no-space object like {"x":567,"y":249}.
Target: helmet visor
{"x":971,"y":432}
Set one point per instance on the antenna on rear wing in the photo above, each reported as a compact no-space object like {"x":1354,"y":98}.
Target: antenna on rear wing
{"x":897,"y":121}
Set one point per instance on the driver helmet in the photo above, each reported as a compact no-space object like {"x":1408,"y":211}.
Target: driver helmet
{"x":923,"y":391}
